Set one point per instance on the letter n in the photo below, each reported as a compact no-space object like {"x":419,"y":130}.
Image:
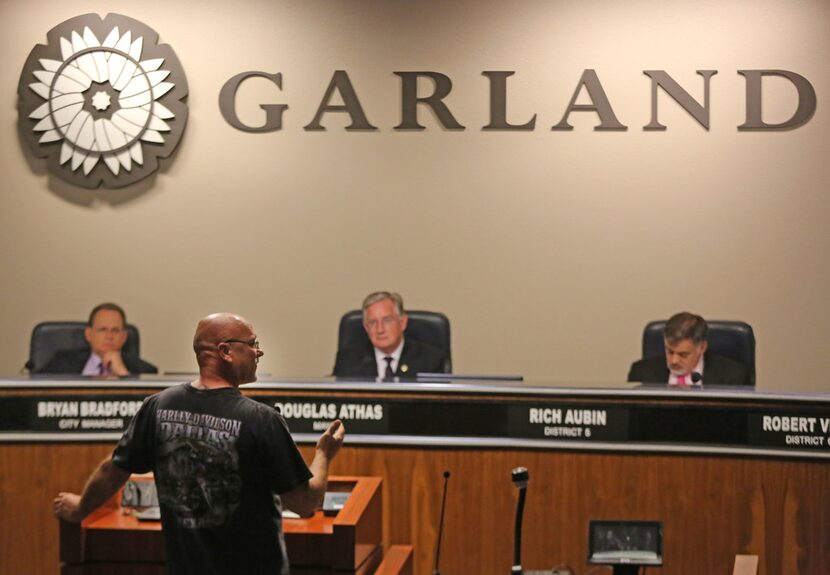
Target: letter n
{"x":660,"y":79}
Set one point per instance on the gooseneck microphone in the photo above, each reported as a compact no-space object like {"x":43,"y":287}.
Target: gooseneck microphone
{"x":696,"y":377}
{"x":437,"y":571}
{"x":520,"y":478}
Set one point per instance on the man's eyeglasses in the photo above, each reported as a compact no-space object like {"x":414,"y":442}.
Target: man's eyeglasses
{"x":387,"y":322}
{"x":112,"y":330}
{"x":252,"y":343}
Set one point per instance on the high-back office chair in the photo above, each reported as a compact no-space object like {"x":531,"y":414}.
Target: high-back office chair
{"x":426,"y":326}
{"x":49,"y":337}
{"x":732,"y":339}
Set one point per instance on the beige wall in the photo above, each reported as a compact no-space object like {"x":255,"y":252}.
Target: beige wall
{"x":548,"y":250}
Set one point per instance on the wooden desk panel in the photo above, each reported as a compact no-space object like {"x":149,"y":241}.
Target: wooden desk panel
{"x":713,"y":506}
{"x":112,"y":537}
{"x":397,"y":561}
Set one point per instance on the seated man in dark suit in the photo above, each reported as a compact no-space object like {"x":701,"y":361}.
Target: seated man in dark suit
{"x":687,"y":362}
{"x":106,"y":333}
{"x":391,"y":355}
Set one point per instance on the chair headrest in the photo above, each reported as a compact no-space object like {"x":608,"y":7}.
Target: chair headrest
{"x":49,"y":337}
{"x":426,"y":326}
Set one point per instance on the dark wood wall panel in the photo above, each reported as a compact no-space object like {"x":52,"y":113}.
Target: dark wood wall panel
{"x":30,"y":476}
{"x":713,"y":507}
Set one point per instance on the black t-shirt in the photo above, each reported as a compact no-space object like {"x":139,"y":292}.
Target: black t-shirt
{"x":219,"y":458}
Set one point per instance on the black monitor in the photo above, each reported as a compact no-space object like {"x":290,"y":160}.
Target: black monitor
{"x":626,"y":545}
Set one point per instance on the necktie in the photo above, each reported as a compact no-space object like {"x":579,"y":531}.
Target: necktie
{"x":389,"y":373}
{"x":681,"y":380}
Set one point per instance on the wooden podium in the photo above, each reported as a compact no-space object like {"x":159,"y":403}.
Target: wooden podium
{"x":112,"y":540}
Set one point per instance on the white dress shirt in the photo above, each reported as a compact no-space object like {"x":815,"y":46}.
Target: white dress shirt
{"x":93,"y":365}
{"x":380,"y":359}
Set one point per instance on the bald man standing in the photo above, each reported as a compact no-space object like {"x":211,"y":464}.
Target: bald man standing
{"x":219,"y":459}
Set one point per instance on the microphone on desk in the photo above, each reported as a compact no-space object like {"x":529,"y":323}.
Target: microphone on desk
{"x":696,"y":377}
{"x":437,"y":571}
{"x":520,"y":478}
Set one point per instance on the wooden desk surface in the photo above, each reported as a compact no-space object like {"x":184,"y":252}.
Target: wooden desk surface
{"x":124,"y":519}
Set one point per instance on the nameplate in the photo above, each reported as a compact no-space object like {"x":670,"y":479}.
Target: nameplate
{"x":383,"y":418}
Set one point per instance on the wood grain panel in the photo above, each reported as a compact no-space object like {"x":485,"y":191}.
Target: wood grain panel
{"x":397,"y":561}
{"x":30,"y":477}
{"x":712,"y":507}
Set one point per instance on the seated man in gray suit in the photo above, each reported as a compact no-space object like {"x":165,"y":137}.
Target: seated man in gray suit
{"x":106,"y":334}
{"x":391,"y":355}
{"x":687,"y":362}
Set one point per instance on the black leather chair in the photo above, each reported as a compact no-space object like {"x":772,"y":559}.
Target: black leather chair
{"x":732,"y":339}
{"x":49,"y":337}
{"x":426,"y":326}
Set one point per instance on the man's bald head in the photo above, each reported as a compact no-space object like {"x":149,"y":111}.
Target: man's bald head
{"x":226,"y":346}
{"x":216,"y":328}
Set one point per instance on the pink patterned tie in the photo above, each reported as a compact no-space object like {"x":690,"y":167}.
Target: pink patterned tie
{"x":681,"y":380}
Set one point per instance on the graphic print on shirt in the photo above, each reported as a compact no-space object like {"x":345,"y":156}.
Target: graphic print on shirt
{"x":198,"y":467}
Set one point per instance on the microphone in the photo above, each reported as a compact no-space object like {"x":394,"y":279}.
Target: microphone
{"x":437,"y":571}
{"x":696,"y":377}
{"x":520,"y":478}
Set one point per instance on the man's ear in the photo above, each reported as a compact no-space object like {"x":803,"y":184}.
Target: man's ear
{"x":404,"y":322}
{"x":88,"y":334}
{"x":704,"y":346}
{"x":224,"y":351}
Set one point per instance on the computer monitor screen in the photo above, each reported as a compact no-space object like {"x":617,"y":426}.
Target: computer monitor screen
{"x":625,"y":542}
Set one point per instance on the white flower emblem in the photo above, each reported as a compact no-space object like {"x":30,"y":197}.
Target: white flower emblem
{"x":100,"y":100}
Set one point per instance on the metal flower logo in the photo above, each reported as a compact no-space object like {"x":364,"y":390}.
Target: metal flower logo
{"x":102,"y":101}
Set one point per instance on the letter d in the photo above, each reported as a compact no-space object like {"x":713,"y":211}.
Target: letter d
{"x":806,"y":100}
